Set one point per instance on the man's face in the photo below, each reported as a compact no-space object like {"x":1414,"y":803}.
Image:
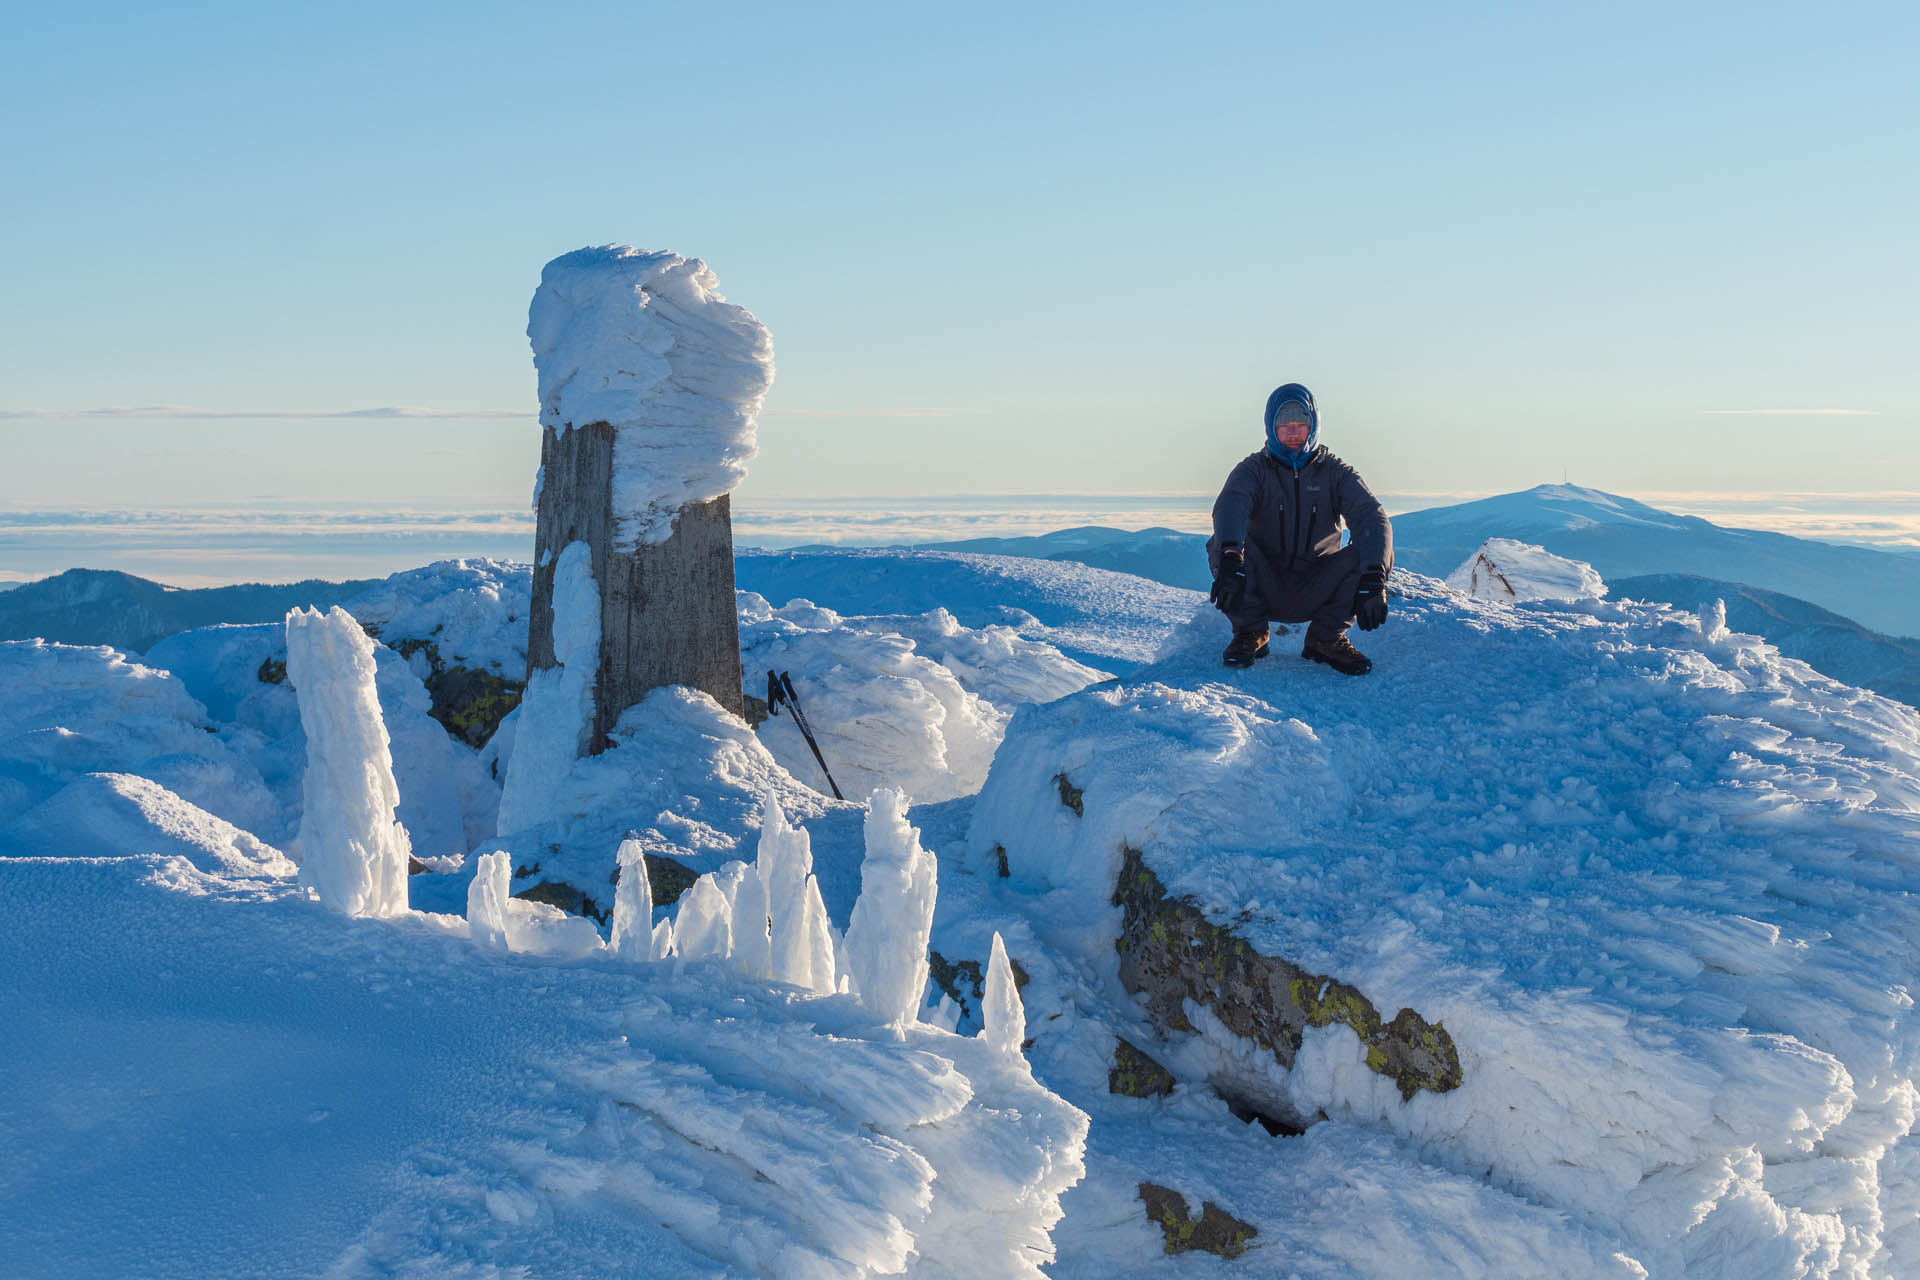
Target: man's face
{"x":1291,"y":435}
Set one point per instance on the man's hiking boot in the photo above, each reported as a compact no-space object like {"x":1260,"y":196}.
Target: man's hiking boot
{"x":1337,"y":653}
{"x":1249,"y":644}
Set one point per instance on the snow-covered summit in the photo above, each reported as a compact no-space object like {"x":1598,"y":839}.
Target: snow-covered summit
{"x":1654,"y":881}
{"x":644,"y":342}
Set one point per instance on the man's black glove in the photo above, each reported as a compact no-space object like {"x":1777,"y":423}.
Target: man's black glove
{"x":1230,"y":583}
{"x":1370,"y":598}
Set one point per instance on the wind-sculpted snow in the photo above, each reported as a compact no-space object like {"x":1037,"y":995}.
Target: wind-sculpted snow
{"x":67,"y":711}
{"x":106,"y":815}
{"x":1655,"y":881}
{"x":645,"y":343}
{"x":421,"y":1106}
{"x":353,"y":852}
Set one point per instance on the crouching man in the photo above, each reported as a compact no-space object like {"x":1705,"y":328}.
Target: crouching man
{"x":1276,"y":553}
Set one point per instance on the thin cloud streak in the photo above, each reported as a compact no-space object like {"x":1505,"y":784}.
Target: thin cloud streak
{"x":163,"y":411}
{"x":397,"y":411}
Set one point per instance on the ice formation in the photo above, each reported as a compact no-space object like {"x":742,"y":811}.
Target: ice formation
{"x":556,"y":710}
{"x":1653,"y":879}
{"x":1004,"y":1021}
{"x":801,"y":943}
{"x":487,"y":898}
{"x":353,"y":852}
{"x":1507,"y":571}
{"x":644,"y":342}
{"x":888,"y":930}
{"x":630,"y":935}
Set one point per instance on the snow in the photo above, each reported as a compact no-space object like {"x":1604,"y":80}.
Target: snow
{"x":1654,"y":880}
{"x":556,"y":710}
{"x":473,"y":611}
{"x":644,"y":342}
{"x":1505,"y":570}
{"x":418,"y":1106}
{"x":109,"y":814}
{"x":70,"y":710}
{"x":883,"y":715}
{"x":1092,"y":615}
{"x":446,"y":798}
{"x":353,"y":852}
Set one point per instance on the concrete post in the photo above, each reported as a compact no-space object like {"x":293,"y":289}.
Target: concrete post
{"x":667,"y":612}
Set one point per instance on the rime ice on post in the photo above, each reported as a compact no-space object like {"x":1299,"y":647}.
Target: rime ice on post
{"x":353,"y":852}
{"x":893,"y":920}
{"x":649,"y":383}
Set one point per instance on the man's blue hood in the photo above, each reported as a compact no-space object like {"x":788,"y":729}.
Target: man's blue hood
{"x":1293,"y":391}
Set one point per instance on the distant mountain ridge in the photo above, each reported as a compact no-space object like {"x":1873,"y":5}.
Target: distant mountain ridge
{"x":1623,"y":538}
{"x":105,"y":606}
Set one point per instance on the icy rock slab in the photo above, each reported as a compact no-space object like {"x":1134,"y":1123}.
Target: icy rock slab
{"x":1655,"y":884}
{"x":1506,"y":571}
{"x":645,"y":342}
{"x":353,"y":852}
{"x":115,"y":815}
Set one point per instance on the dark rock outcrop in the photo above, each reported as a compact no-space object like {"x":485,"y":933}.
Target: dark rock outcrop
{"x":1171,"y":953}
{"x":1214,"y":1231}
{"x":1136,"y":1075}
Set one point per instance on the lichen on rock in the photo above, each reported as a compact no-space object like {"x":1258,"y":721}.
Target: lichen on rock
{"x":1215,"y":1231}
{"x":1135,"y":1074}
{"x":1171,"y":953}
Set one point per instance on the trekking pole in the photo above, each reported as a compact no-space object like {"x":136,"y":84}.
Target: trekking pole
{"x":779,"y":690}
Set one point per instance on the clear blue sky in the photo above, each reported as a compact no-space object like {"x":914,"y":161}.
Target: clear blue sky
{"x":1092,"y":237}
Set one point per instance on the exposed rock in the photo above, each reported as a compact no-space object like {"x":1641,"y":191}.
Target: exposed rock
{"x":667,"y":877}
{"x":964,"y":981}
{"x":1170,"y":953}
{"x":468,"y":702}
{"x":1071,"y":796}
{"x":1214,"y":1231}
{"x":272,"y":671}
{"x":1135,"y":1074}
{"x":555,"y":893}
